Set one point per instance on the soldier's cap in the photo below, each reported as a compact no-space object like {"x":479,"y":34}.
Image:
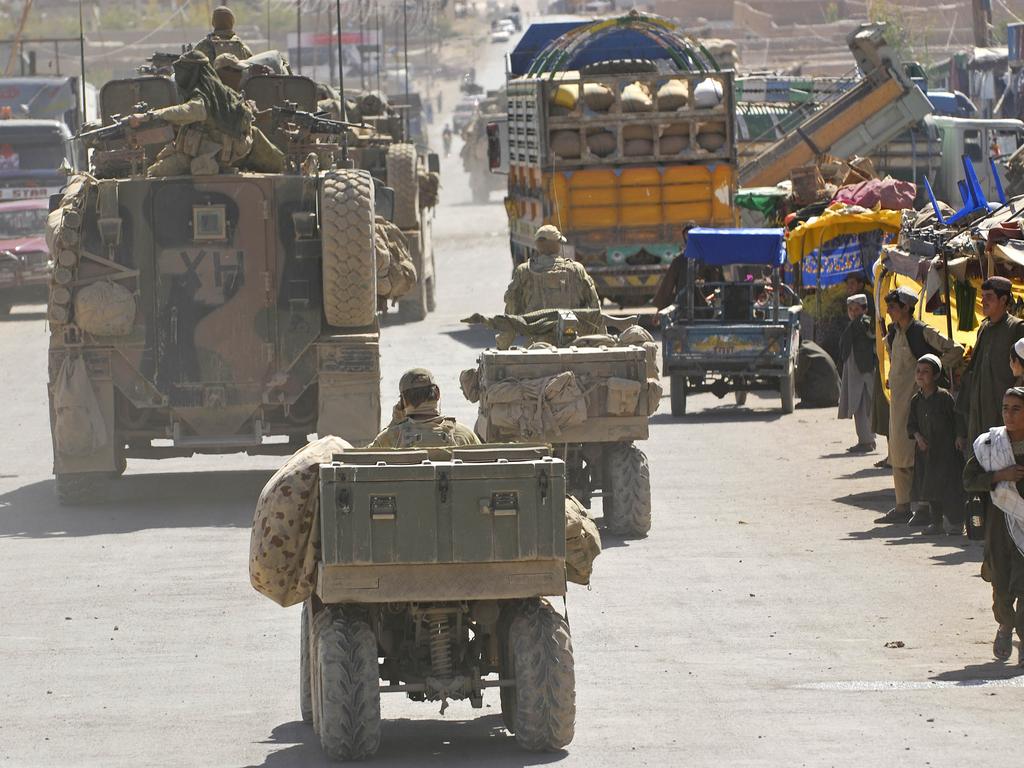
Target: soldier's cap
{"x":415,"y":378}
{"x":1000,"y":285}
{"x":229,"y":61}
{"x":901,"y":295}
{"x":549,"y":232}
{"x":858,"y":298}
{"x":223,"y":18}
{"x":933,"y":359}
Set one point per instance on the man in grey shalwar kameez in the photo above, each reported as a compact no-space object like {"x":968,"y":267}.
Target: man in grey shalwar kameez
{"x":908,"y":340}
{"x":857,"y":356}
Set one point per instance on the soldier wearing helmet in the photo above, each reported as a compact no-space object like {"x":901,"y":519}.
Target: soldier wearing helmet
{"x":417,"y":422}
{"x":215,"y":127}
{"x":223,"y":38}
{"x":549,"y":280}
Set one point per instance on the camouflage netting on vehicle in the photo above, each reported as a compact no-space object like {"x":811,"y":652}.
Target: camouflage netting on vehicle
{"x":105,"y":308}
{"x":284,"y":547}
{"x":79,"y":428}
{"x":582,"y":542}
{"x":396,"y":272}
{"x":63,"y":239}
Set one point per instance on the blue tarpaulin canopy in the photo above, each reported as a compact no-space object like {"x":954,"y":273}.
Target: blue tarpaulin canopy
{"x":622,"y":43}
{"x":722,"y":247}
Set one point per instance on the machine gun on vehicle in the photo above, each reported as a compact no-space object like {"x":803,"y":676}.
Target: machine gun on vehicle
{"x":151,"y":130}
{"x":305,"y":131}
{"x":160,"y":63}
{"x":122,"y":147}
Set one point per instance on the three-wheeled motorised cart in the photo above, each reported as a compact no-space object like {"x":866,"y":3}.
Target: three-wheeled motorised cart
{"x":735,"y":326}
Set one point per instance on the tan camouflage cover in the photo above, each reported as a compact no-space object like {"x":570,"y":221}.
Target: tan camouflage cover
{"x":284,"y":547}
{"x":582,"y":542}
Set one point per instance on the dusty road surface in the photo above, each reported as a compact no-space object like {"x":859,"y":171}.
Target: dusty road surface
{"x":749,"y":628}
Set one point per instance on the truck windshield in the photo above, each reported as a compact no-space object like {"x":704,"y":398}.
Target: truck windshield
{"x":24,"y":223}
{"x":25,"y":154}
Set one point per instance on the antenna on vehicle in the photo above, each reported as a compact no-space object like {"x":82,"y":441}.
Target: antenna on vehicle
{"x":81,"y":56}
{"x":341,"y":84}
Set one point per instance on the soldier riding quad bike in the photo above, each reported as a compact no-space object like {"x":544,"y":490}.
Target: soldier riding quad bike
{"x":735,"y":326}
{"x":206,"y":314}
{"x":429,"y":579}
{"x":585,"y":392}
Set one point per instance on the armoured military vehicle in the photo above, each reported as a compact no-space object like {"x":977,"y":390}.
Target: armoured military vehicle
{"x":205,"y":314}
{"x":585,"y":392}
{"x":432,"y":579}
{"x":383,"y":147}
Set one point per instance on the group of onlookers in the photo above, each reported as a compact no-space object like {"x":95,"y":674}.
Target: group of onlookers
{"x":949,"y":438}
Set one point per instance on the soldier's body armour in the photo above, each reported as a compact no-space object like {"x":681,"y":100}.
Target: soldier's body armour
{"x":432,"y":433}
{"x":554,"y":288}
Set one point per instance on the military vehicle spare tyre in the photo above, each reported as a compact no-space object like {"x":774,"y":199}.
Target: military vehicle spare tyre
{"x":305,"y":688}
{"x":349,"y":689}
{"x":402,"y":177}
{"x":414,"y":305}
{"x":627,"y":490}
{"x":349,"y":252}
{"x":543,"y":701}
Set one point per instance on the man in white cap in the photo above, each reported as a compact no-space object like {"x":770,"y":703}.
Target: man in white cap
{"x":549,"y":280}
{"x":857,"y":357}
{"x":908,"y":340}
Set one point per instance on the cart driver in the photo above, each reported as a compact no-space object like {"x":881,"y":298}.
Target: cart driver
{"x":549,"y":280}
{"x":416,"y":422}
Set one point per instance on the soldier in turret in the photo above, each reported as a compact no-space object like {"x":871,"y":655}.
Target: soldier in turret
{"x":223,"y":38}
{"x":416,"y":421}
{"x":549,"y":280}
{"x":215,"y":128}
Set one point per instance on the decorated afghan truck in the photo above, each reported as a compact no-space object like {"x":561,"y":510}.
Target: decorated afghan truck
{"x":587,"y":393}
{"x":735,"y":325}
{"x":619,"y":132}
{"x":224,"y":313}
{"x":424,"y":573}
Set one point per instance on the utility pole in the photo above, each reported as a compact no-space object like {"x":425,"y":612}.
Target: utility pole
{"x":981,"y":11}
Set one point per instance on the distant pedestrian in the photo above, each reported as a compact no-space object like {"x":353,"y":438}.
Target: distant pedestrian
{"x":857,"y":357}
{"x":938,"y":465}
{"x":907,"y":340}
{"x":997,"y":468}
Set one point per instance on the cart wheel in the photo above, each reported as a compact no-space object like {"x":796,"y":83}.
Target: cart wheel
{"x":677,"y":393}
{"x":787,"y":387}
{"x":741,"y":397}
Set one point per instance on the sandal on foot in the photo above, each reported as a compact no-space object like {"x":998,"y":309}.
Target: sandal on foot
{"x":1002,"y":646}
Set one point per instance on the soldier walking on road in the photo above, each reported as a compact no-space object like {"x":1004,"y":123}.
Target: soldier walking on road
{"x":908,"y":340}
{"x":215,"y":127}
{"x":223,"y":38}
{"x":416,"y":422}
{"x":549,"y":280}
